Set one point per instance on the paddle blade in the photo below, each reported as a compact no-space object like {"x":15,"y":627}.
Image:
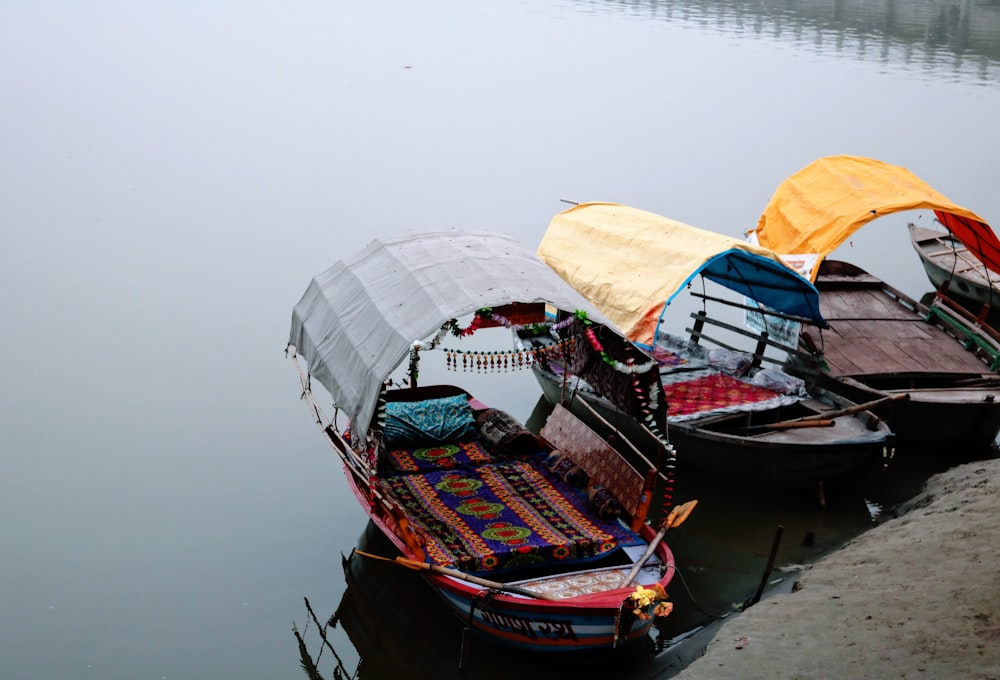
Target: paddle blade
{"x":679,"y":514}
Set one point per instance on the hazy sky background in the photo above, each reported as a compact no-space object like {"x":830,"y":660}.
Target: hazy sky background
{"x":174,"y":173}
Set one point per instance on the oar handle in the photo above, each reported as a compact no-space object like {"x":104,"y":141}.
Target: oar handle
{"x":486,"y":583}
{"x":675,"y":518}
{"x":858,"y":408}
{"x":790,"y":425}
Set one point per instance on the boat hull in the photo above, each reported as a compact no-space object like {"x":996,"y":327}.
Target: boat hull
{"x":591,"y":622}
{"x":969,"y":424}
{"x":953,"y":268}
{"x":957,"y":286}
{"x":527,"y":626}
{"x":782,"y":460}
{"x":932,"y":417}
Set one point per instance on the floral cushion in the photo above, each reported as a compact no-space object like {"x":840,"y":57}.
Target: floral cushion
{"x":448,"y":419}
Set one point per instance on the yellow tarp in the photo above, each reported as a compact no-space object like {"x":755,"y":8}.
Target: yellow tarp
{"x":631,"y":263}
{"x":819,"y":207}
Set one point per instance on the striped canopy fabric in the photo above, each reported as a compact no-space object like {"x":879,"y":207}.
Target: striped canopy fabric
{"x":358,"y":320}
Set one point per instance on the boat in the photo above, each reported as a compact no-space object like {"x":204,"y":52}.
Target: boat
{"x":881,"y":342}
{"x":954,"y":270}
{"x":400,"y":628}
{"x":732,"y":411}
{"x":542,"y":542}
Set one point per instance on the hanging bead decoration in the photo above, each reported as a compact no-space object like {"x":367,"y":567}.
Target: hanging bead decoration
{"x":503,"y":361}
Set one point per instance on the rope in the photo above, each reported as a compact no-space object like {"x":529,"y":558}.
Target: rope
{"x":710,"y":615}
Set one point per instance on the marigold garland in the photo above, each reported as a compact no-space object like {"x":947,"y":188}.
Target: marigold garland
{"x":643,"y":599}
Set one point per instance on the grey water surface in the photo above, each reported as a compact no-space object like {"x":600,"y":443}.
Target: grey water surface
{"x":173,"y":175}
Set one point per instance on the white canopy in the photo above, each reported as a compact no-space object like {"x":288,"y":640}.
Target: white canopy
{"x":358,"y":320}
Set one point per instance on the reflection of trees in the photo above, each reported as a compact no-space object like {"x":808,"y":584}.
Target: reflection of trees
{"x":936,"y":36}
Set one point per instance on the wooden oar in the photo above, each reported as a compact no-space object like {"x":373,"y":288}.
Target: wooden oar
{"x":423,"y":566}
{"x":676,"y":517}
{"x":789,"y":425}
{"x":857,"y":408}
{"x":820,"y":419}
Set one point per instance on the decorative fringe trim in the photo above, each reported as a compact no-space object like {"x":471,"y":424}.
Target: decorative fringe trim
{"x":504,"y":360}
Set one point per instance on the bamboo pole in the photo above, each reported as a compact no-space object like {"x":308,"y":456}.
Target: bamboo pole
{"x":826,"y":419}
{"x":789,"y":425}
{"x":674,"y":519}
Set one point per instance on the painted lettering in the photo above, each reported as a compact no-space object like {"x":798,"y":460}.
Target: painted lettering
{"x":553,"y":630}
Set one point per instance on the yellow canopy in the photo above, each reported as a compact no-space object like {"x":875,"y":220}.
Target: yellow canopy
{"x":631,"y":263}
{"x":819,"y":207}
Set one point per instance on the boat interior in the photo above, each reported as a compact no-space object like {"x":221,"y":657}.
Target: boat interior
{"x":491,"y":498}
{"x":877,"y":332}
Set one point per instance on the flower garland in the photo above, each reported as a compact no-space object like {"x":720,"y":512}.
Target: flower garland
{"x":628,"y":367}
{"x":644,"y":599}
{"x":647,"y":400}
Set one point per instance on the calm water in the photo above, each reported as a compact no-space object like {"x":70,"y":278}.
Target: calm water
{"x":174,"y":173}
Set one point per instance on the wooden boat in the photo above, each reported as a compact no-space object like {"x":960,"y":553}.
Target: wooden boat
{"x":728,"y":414}
{"x":883,"y":342}
{"x":463,"y":491}
{"x":953,"y":269}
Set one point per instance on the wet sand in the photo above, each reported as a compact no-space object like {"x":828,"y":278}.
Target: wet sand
{"x":916,"y":597}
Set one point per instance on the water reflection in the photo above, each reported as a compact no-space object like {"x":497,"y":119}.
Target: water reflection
{"x":943,"y":38}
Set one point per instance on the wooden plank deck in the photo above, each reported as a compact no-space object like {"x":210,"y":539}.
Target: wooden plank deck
{"x":872,"y":333}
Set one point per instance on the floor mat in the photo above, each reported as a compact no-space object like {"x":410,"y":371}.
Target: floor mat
{"x":504,"y":516}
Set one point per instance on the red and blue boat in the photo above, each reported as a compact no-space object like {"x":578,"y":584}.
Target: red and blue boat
{"x":540,"y":541}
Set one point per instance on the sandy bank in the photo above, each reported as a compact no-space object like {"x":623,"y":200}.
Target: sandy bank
{"x":916,"y":597}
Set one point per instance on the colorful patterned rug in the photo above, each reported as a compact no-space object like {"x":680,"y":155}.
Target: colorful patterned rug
{"x":439,"y":457}
{"x":712,"y":392}
{"x":504,"y":516}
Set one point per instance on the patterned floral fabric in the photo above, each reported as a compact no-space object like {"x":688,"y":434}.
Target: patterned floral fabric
{"x":448,"y":419}
{"x":439,"y":457}
{"x":504,"y":516}
{"x":712,"y":392}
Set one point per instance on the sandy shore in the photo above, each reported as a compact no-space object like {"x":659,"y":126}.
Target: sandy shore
{"x":916,"y":597}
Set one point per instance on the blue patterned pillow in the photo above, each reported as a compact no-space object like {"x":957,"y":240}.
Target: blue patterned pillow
{"x":448,"y":419}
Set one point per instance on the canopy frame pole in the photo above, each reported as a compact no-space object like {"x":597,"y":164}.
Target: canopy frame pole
{"x":347,"y":453}
{"x":760,"y":310}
